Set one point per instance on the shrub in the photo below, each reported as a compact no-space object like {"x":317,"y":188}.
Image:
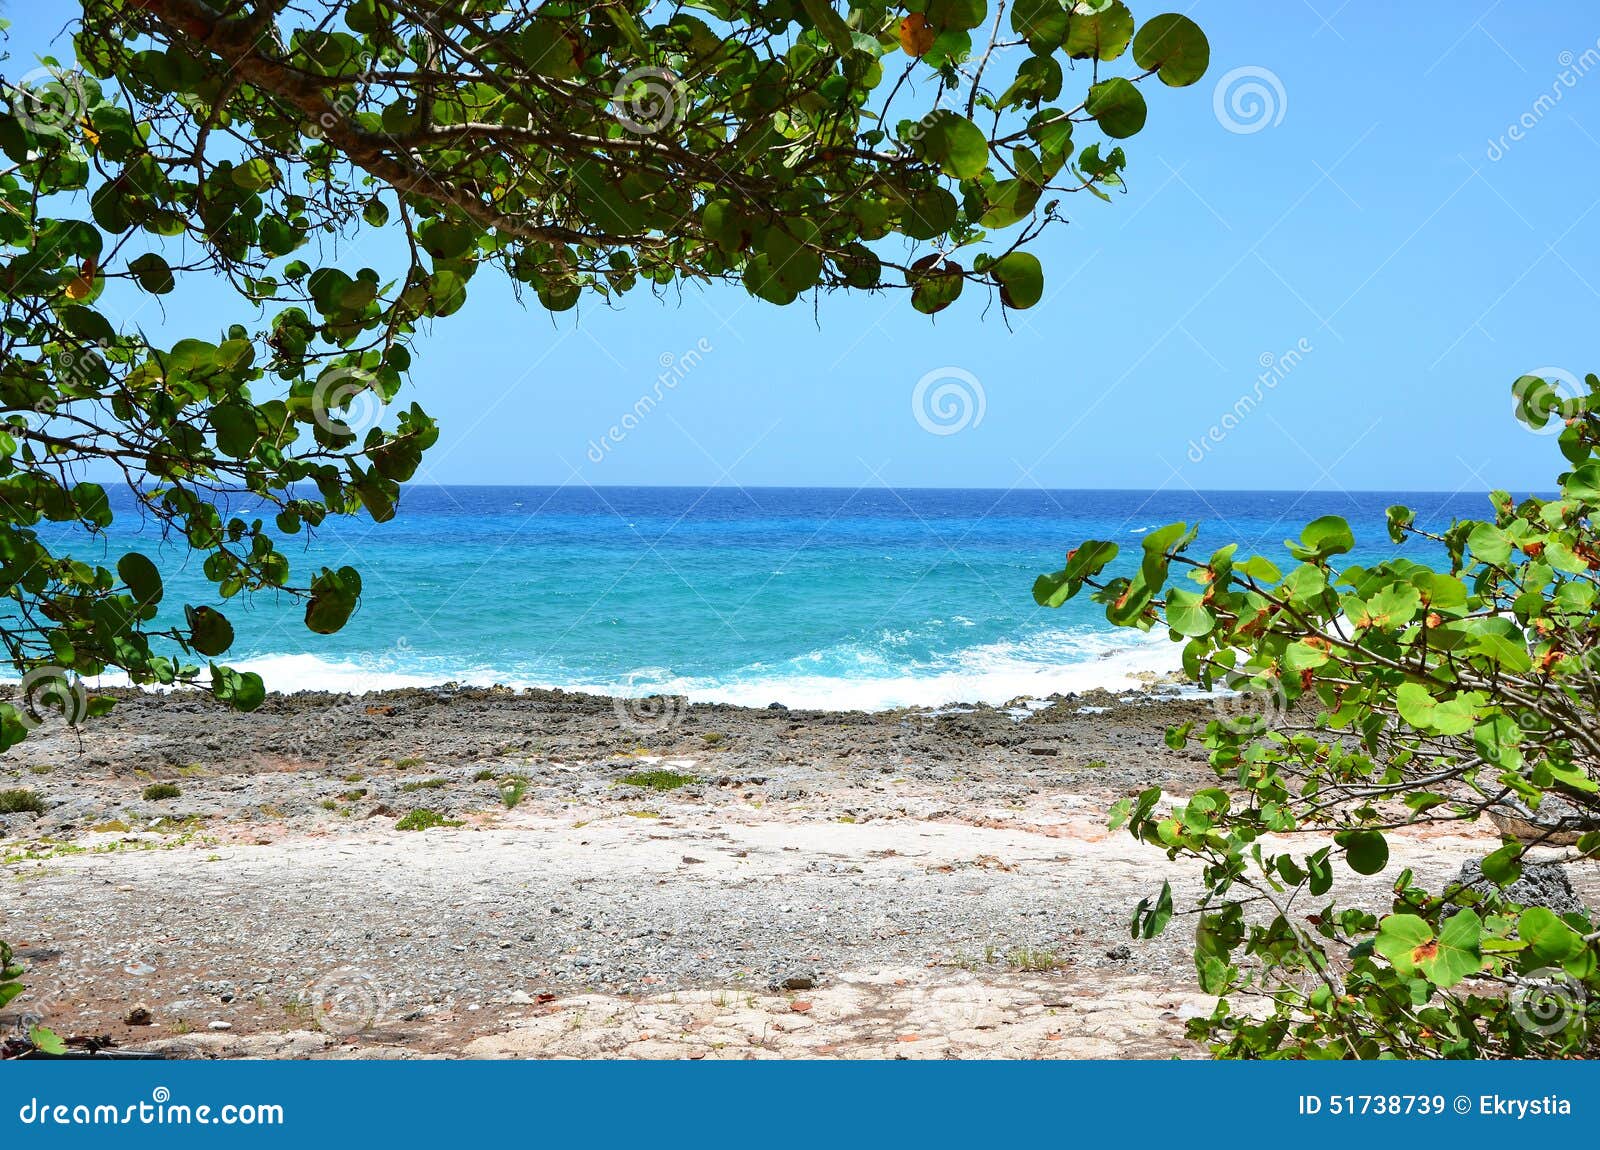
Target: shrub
{"x":156,"y":792}
{"x":511,"y":793}
{"x":425,"y":785}
{"x":1363,"y":700}
{"x":423,"y":819}
{"x":657,"y":780}
{"x":21,"y":801}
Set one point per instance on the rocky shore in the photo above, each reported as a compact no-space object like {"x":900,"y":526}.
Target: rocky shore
{"x":465,"y":871}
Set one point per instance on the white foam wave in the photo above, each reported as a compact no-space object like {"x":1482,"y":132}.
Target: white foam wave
{"x":846,"y":677}
{"x":993,"y":673}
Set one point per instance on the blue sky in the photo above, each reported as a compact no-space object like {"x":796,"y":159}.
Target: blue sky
{"x":1380,"y":225}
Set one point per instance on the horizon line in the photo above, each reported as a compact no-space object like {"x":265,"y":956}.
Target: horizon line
{"x":934,"y":487}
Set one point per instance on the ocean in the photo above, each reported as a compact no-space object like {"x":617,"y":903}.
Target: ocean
{"x":835,"y":598}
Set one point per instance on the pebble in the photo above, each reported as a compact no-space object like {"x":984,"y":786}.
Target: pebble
{"x":220,"y":1025}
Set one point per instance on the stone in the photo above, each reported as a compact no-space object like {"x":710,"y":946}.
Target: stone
{"x":139,"y":1016}
{"x":220,"y":1025}
{"x":1557,"y":823}
{"x":1541,"y":884}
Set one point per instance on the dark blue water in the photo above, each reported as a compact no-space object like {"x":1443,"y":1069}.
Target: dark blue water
{"x":807,"y":596}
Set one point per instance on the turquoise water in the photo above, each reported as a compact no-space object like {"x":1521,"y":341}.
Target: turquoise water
{"x":810,"y":597}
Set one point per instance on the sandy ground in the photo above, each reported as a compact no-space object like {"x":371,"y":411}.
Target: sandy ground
{"x":818,"y":884}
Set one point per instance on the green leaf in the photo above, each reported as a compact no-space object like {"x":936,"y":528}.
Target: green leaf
{"x":1458,"y":953}
{"x":210,"y":631}
{"x":1009,"y":201}
{"x":1366,"y":851}
{"x":1187,"y":614}
{"x":936,"y":283}
{"x":1498,"y":740}
{"x":1042,"y":22}
{"x":1584,"y":483}
{"x":46,"y":1040}
{"x":1398,"y":519}
{"x":1021,"y":279}
{"x":334,"y":595}
{"x":1406,"y":941}
{"x":153,"y":273}
{"x":1117,"y":106}
{"x":241,"y":690}
{"x":955,"y":143}
{"x":1321,"y":539}
{"x":141,"y":577}
{"x":1504,"y":866}
{"x":1149,"y":921}
{"x":1489,"y":544}
{"x":1101,"y":34}
{"x":1174,"y":47}
{"x":1551,"y":940}
{"x":254,"y":175}
{"x":961,"y":14}
{"x":445,"y":239}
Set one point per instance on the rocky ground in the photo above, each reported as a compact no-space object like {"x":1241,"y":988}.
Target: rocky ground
{"x":602,"y":878}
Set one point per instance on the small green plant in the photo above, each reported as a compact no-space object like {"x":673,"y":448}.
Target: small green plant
{"x":407,"y":763}
{"x":155,"y":792}
{"x":329,"y":805}
{"x":484,"y":775}
{"x":511,"y":793}
{"x":20,"y":801}
{"x":422,"y":819}
{"x":40,"y":769}
{"x":1036,"y":961}
{"x":354,"y":777}
{"x":352,"y":795}
{"x":11,"y":973}
{"x":425,"y":785}
{"x":657,"y":780}
{"x":714,"y":738}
